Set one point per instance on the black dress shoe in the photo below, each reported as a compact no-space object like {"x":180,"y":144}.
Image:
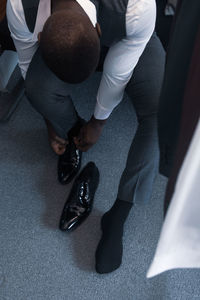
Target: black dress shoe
{"x":80,"y":201}
{"x":69,"y":163}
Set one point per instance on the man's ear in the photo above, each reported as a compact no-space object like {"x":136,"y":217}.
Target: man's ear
{"x":39,"y":36}
{"x":98,"y":29}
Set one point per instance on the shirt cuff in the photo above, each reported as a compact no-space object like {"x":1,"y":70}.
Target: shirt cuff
{"x":101,"y":113}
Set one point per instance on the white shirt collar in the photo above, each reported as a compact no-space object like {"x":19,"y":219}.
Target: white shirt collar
{"x":89,"y":9}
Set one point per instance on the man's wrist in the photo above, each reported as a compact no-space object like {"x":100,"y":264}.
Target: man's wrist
{"x":97,"y":122}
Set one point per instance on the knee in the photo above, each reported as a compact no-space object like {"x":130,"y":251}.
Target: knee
{"x":145,"y":100}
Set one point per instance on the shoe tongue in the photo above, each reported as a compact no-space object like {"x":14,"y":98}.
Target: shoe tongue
{"x":70,"y":151}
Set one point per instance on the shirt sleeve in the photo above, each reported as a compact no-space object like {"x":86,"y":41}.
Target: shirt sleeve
{"x":22,"y":38}
{"x":124,"y":55}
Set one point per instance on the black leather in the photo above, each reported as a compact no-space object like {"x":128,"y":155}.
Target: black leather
{"x":80,"y":201}
{"x":69,"y":163}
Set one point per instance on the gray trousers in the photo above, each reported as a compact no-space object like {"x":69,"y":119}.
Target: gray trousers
{"x":50,"y":97}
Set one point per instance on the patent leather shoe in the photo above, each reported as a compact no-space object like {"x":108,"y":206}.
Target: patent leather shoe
{"x":69,"y":162}
{"x":80,"y":201}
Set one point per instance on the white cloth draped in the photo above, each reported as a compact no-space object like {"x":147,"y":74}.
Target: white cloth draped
{"x":179,"y":243}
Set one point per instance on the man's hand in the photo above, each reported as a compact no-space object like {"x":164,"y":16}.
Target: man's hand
{"x":89,"y":134}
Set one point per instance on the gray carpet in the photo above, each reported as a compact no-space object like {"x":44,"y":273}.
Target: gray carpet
{"x":37,"y":261}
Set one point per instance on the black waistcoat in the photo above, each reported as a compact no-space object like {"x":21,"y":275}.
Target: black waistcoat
{"x":111,"y":15}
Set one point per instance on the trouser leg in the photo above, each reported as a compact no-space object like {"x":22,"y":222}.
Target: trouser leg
{"x":50,"y":96}
{"x":144,"y":90}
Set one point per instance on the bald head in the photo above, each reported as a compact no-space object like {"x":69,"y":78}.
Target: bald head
{"x":70,"y":45}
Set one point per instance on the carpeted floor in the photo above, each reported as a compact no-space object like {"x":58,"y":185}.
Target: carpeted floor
{"x":37,"y":261}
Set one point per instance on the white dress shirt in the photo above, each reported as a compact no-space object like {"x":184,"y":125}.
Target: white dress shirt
{"x":121,"y":59}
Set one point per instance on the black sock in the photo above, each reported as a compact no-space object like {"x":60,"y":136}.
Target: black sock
{"x":109,"y":250}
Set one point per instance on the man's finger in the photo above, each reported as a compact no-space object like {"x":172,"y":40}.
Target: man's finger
{"x":84,"y":147}
{"x":61,"y":141}
{"x":77,"y":140}
{"x":80,"y":143}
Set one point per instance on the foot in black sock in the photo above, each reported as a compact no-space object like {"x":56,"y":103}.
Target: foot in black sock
{"x":110,"y":248}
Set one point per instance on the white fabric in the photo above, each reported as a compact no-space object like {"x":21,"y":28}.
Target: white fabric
{"x":179,"y":243}
{"x":26,"y":43}
{"x":121,"y":59}
{"x":124,"y":55}
{"x":90,"y":10}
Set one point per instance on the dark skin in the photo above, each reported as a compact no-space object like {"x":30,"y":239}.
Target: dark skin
{"x":91,"y":131}
{"x":89,"y":134}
